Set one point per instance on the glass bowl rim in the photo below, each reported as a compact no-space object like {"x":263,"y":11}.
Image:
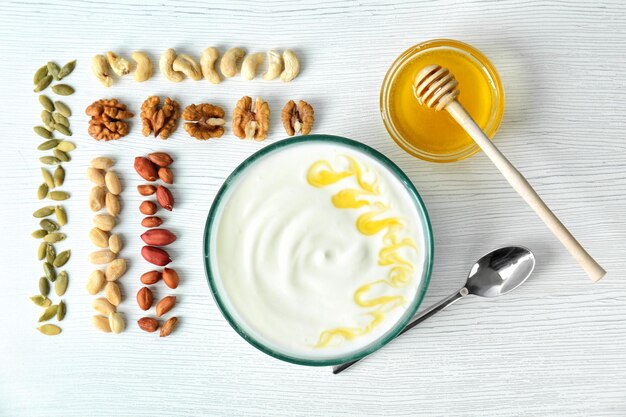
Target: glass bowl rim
{"x":428,"y":239}
{"x":487,"y":66}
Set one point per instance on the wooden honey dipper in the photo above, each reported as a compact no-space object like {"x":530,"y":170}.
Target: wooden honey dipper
{"x":436,"y":87}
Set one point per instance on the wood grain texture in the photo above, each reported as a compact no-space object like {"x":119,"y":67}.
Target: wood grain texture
{"x":553,"y":347}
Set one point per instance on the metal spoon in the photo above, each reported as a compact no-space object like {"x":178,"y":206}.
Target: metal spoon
{"x":496,"y":273}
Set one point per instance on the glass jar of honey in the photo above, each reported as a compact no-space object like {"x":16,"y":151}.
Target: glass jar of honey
{"x":433,"y":135}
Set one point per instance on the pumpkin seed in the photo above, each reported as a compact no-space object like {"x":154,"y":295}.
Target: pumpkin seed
{"x":61,"y":311}
{"x":49,"y":144}
{"x":40,"y":300}
{"x":44,"y":286}
{"x":53,"y":69}
{"x":58,"y":195}
{"x":42,"y":191}
{"x":62,"y":259}
{"x":61,"y":155}
{"x":40,"y":74}
{"x":49,"y":329}
{"x":41,"y":250}
{"x":60,"y":286}
{"x":60,"y":119}
{"x":59,"y":176}
{"x":54,"y":237}
{"x":62,"y":108}
{"x":43,"y":132}
{"x":47,"y":118}
{"x":49,"y":225}
{"x":49,"y":160}
{"x":63,"y":89}
{"x":38,"y":234}
{"x":47,"y":177}
{"x":43,"y":83}
{"x":43,"y":212}
{"x":67,"y":69}
{"x":46,"y":103}
{"x":51,"y":253}
{"x":61,"y":215}
{"x":49,"y":271}
{"x":66,"y":146}
{"x":64,"y":130}
{"x":49,"y":313}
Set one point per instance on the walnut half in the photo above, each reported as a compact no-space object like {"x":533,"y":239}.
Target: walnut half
{"x":160,"y":121}
{"x":298,"y":118}
{"x":251,"y":122}
{"x":204,"y":121}
{"x":108,"y":119}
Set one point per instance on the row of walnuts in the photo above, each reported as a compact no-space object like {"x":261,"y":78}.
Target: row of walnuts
{"x":251,"y":119}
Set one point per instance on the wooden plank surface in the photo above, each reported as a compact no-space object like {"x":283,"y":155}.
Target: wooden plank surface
{"x":556,"y":346}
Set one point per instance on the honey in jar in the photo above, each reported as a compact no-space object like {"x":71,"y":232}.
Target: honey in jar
{"x":434,"y":135}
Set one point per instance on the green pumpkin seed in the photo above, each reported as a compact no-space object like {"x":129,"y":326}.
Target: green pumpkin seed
{"x":62,"y":156}
{"x":49,"y":329}
{"x":66,"y":146}
{"x":63,"y":89}
{"x":40,"y":300}
{"x":60,"y":119}
{"x":49,"y":313}
{"x":49,"y":144}
{"x":49,"y":160}
{"x":47,"y":119}
{"x":67,"y":69}
{"x":62,"y":259}
{"x":54,"y":237}
{"x":51,"y":253}
{"x":49,"y":225}
{"x":49,"y":271}
{"x":40,"y":74}
{"x":46,"y":102}
{"x":42,"y":191}
{"x":63,"y":129}
{"x":62,"y":108}
{"x":61,"y":215}
{"x":38,"y":234}
{"x":60,"y":286}
{"x":44,"y":286}
{"x":59,"y":176}
{"x":43,"y":132}
{"x":47,"y":178}
{"x":61,"y":311}
{"x":41,"y":250}
{"x":58,"y":195}
{"x":43,"y":212}
{"x":43,"y":83}
{"x":53,"y":69}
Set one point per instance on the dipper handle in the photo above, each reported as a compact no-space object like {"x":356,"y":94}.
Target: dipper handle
{"x":436,"y":87}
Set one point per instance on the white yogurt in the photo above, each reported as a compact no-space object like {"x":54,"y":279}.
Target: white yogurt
{"x":289,"y":263}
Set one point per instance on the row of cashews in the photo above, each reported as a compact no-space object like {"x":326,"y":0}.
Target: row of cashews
{"x":176,"y":67}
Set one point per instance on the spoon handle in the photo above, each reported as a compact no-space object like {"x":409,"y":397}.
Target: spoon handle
{"x":417,"y":319}
{"x":526,"y":191}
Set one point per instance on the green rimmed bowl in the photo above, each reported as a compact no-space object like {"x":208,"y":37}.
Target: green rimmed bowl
{"x":221,"y":297}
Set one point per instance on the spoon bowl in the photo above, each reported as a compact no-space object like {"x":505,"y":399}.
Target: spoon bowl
{"x":500,"y":271}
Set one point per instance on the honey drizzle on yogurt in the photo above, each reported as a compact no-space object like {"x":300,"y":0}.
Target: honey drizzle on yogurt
{"x":370,"y":223}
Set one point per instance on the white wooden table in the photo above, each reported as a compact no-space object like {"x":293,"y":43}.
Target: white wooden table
{"x":556,"y":346}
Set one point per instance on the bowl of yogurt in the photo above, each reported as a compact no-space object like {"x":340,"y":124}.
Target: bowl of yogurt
{"x":318,"y":250}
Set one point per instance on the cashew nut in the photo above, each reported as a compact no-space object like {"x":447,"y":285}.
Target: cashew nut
{"x":119,"y":65}
{"x":143,"y":69}
{"x":207,"y":62}
{"x":274,"y":65}
{"x":292,"y":66}
{"x":100,"y":68}
{"x":250,"y":64}
{"x":228,"y":66}
{"x":188,"y":66}
{"x":165,"y":65}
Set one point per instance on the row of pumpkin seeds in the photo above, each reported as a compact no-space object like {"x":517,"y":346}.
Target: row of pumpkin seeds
{"x":55,"y":117}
